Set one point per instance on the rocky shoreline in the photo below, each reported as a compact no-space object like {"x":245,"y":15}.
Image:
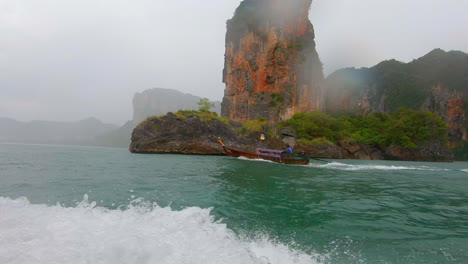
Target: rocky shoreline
{"x":195,"y":133}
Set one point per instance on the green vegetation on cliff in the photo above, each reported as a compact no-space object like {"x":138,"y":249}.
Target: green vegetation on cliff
{"x":204,"y":105}
{"x":316,"y":125}
{"x":183,"y":115}
{"x":256,"y":125}
{"x":406,"y":128}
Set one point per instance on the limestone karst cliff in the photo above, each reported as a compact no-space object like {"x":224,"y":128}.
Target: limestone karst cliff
{"x":436,"y":82}
{"x":272,"y":69}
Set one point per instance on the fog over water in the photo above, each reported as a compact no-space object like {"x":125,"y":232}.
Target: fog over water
{"x":68,"y":60}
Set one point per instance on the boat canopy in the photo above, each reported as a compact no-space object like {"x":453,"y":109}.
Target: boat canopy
{"x":270,"y":153}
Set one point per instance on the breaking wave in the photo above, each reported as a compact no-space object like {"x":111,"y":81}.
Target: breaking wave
{"x":139,"y":233}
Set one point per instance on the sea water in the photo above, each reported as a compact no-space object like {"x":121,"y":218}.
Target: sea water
{"x":61,"y":204}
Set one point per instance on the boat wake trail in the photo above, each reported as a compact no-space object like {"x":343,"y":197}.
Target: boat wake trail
{"x":355,"y":167}
{"x":140,"y":233}
{"x":261,"y":160}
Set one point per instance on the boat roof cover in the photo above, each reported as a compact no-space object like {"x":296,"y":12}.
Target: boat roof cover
{"x":269,"y":150}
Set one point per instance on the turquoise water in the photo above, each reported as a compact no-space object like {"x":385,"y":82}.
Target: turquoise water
{"x":61,"y":204}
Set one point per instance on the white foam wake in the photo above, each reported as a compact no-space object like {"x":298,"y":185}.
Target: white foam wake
{"x":262,"y":160}
{"x":141,"y":233}
{"x":354,"y":167}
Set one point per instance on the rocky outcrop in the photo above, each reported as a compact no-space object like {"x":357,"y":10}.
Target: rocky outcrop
{"x":193,"y":133}
{"x":325,"y":150}
{"x":157,"y":101}
{"x":196,"y":133}
{"x":272,"y":69}
{"x":174,"y":136}
{"x":435,"y":152}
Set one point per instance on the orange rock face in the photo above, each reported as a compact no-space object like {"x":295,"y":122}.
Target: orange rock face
{"x":272,"y":69}
{"x":457,"y":118}
{"x":449,"y":106}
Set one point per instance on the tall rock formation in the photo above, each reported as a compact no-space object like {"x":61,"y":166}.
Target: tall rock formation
{"x":272,"y":69}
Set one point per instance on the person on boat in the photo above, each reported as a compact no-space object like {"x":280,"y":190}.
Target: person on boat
{"x":288,"y":152}
{"x":262,"y":140}
{"x":220,"y":141}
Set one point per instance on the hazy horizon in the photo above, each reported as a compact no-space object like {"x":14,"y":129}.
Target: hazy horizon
{"x":67,"y":61}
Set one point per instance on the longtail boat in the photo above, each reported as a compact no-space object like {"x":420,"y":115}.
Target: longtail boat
{"x":279,"y":156}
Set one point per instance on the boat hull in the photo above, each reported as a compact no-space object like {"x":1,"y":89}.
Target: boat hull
{"x":237,"y":153}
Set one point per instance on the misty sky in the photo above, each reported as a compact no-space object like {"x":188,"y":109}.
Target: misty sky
{"x":69,"y":60}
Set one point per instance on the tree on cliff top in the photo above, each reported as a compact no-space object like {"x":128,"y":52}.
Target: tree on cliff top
{"x":204,"y":105}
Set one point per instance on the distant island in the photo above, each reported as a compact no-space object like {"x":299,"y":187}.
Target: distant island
{"x":93,"y":132}
{"x":275,"y":85}
{"x":80,"y":133}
